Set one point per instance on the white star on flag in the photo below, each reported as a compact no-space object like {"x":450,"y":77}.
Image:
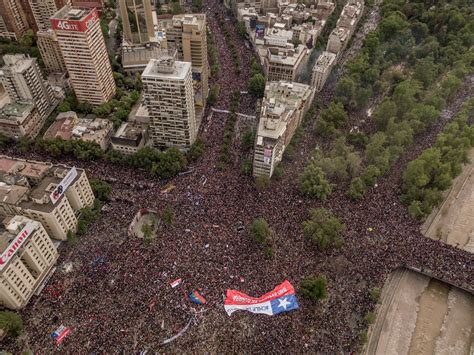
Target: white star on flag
{"x":283,"y":303}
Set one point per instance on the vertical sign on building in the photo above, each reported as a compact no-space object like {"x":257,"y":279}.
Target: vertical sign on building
{"x":63,"y":185}
{"x":16,"y":244}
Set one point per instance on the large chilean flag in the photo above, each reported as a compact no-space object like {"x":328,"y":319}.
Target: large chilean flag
{"x":281,"y":299}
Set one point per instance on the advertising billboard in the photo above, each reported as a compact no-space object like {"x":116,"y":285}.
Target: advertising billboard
{"x":75,"y":25}
{"x":63,"y":185}
{"x":16,"y":244}
{"x":260,"y":31}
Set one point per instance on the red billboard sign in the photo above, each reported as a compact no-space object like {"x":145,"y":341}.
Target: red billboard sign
{"x":76,"y":25}
{"x":16,"y":244}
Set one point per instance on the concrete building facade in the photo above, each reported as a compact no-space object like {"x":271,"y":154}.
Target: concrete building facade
{"x":23,"y":80}
{"x":169,"y":98}
{"x":21,"y":119}
{"x":283,"y":108}
{"x":285,"y":63}
{"x":50,"y":194}
{"x":141,"y":29}
{"x":321,"y":70}
{"x":83,"y":47}
{"x":13,"y":19}
{"x":27,"y":257}
{"x":42,"y":11}
{"x":130,"y":137}
{"x":50,"y":51}
{"x":187,"y":35}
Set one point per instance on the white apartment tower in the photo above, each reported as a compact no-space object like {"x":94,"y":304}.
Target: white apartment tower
{"x":42,"y":11}
{"x":27,"y":255}
{"x":83,"y":47}
{"x":169,"y":97}
{"x":23,"y":80}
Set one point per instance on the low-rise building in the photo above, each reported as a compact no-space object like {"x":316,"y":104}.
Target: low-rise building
{"x":50,"y":194}
{"x":284,"y":63}
{"x":321,"y":70}
{"x":27,"y":257}
{"x":20,"y":119}
{"x":283,"y":108}
{"x":68,"y":126}
{"x":130,"y":137}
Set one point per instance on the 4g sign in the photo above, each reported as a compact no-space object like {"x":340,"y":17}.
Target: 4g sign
{"x":76,"y":25}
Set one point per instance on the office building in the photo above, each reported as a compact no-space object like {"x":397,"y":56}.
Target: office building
{"x":82,"y":44}
{"x":187,"y":35}
{"x":13,"y":19}
{"x":50,"y":194}
{"x":169,"y":97}
{"x":137,"y":21}
{"x":21,"y":119}
{"x":321,"y":70}
{"x":283,"y":108}
{"x":68,"y":126}
{"x":284,"y":63}
{"x":50,"y":51}
{"x":26,"y":260}
{"x":130,"y":137}
{"x":23,"y":80}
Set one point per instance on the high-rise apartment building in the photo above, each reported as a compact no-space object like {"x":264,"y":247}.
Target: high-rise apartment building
{"x":26,"y":259}
{"x":169,"y":98}
{"x":13,"y":19}
{"x":50,"y":51}
{"x":42,"y":11}
{"x":23,"y":80}
{"x":283,"y":108}
{"x":137,"y":21}
{"x":50,"y":194}
{"x":285,"y":63}
{"x":187,"y":35}
{"x":83,"y":47}
{"x":21,"y":119}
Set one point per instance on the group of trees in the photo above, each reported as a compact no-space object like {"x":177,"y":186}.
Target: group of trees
{"x":11,"y":323}
{"x":416,"y":60}
{"x":213,"y":94}
{"x":230,"y":44}
{"x":212,"y":55}
{"x":261,"y":235}
{"x":229,"y":129}
{"x":324,"y":229}
{"x":257,"y":79}
{"x":426,"y":177}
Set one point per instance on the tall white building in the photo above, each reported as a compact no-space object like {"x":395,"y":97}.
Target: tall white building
{"x":27,"y":256}
{"x":83,"y":48}
{"x":169,"y":97}
{"x":23,"y":80}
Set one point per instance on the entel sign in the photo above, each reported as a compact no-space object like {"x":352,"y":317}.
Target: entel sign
{"x":16,"y":244}
{"x":76,"y":25}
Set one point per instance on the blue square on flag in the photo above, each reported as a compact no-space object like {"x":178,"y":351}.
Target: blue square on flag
{"x":284,"y":304}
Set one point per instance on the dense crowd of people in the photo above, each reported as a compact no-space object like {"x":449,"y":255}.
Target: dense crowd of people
{"x":125,"y":303}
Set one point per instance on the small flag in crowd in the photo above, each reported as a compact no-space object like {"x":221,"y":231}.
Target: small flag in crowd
{"x":196,"y":298}
{"x":176,"y":283}
{"x":60,"y":333}
{"x":281,"y":299}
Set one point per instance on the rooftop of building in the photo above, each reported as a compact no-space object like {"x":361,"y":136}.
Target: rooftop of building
{"x":341,"y":32}
{"x":30,"y":169}
{"x":325,"y":60}
{"x":72,"y":13}
{"x":130,"y":130}
{"x":166,"y":68}
{"x":16,"y":110}
{"x":140,"y":55}
{"x":68,"y":126}
{"x":280,"y":101}
{"x":12,"y":194}
{"x":17,"y":62}
{"x":288,"y":56}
